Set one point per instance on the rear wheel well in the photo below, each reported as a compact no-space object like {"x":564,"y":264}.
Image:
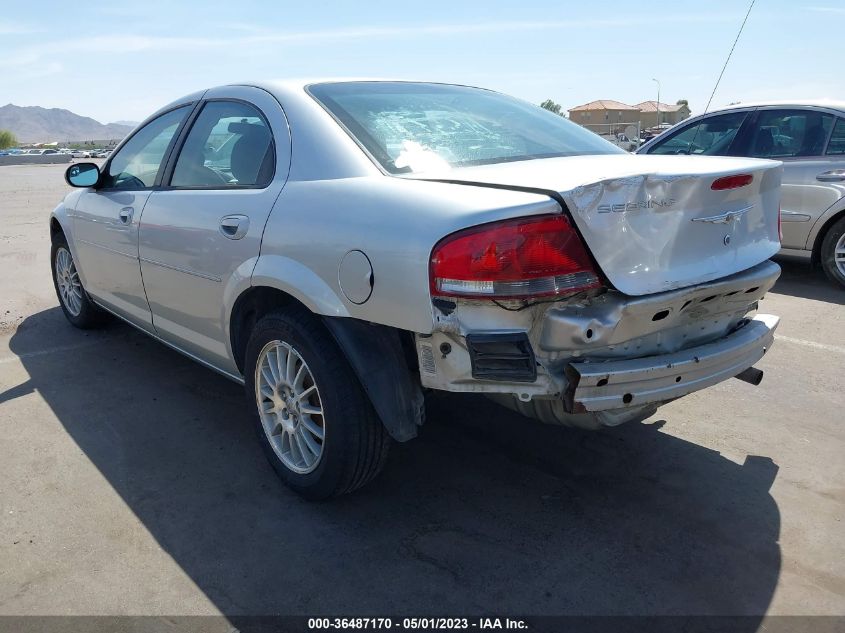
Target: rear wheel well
{"x":817,"y":245}
{"x":248,"y":310}
{"x":260,"y":300}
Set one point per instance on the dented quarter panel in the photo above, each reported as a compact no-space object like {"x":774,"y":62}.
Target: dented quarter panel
{"x":396,"y":223}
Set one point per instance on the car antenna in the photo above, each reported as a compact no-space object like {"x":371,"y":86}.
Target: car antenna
{"x":731,"y":52}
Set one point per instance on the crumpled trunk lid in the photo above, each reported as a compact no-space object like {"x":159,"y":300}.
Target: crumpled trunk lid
{"x":653,"y":223}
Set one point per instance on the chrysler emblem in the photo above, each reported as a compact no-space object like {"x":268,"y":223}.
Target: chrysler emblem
{"x":725,"y":218}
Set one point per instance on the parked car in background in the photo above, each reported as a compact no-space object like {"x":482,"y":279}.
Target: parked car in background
{"x":338,"y":247}
{"x":103,"y":153}
{"x":80,"y":153}
{"x":809,"y":138}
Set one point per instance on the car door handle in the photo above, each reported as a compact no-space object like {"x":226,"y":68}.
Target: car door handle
{"x":234,"y":226}
{"x":834,"y":175}
{"x":125,"y":215}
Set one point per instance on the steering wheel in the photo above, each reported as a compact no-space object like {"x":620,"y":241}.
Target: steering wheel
{"x":128,"y":181}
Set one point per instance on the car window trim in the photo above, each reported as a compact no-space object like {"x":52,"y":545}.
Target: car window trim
{"x":173,"y":157}
{"x":836,"y":121}
{"x":167,"y":151}
{"x":741,"y":136}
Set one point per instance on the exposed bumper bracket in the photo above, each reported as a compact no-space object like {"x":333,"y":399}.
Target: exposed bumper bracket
{"x":617,"y":384}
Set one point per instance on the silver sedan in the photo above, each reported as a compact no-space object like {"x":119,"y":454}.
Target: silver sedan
{"x":338,"y":247}
{"x":809,"y":137}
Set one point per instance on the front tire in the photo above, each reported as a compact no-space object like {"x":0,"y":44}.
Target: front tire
{"x":833,"y":252}
{"x":316,"y":424}
{"x":74,"y":301}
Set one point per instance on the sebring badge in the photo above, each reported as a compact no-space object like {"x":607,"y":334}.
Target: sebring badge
{"x":634,"y":205}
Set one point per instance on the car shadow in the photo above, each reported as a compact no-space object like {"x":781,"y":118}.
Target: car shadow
{"x":486,"y":512}
{"x":801,"y":279}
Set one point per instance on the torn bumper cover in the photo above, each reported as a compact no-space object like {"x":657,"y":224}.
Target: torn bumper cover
{"x":618,"y":384}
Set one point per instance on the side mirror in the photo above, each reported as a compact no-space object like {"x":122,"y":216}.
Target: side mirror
{"x":82,"y":175}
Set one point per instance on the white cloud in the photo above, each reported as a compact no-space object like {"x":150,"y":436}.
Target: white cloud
{"x":835,"y":10}
{"x":15,"y":28}
{"x":51,"y":68}
{"x":251,"y":36}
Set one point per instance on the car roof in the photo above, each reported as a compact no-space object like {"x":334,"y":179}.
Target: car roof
{"x":303,"y":82}
{"x":798,"y":103}
{"x":295,"y":88}
{"x":287,"y":87}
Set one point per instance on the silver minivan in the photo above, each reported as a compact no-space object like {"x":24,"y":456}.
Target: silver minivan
{"x":809,"y":138}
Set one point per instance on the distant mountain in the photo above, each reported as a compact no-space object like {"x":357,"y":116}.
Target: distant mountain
{"x":33,"y":124}
{"x":129,"y":123}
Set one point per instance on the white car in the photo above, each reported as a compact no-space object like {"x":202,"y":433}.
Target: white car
{"x":80,"y":153}
{"x":338,"y":247}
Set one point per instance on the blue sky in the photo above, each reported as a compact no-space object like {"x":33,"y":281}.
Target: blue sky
{"x":122,"y":61}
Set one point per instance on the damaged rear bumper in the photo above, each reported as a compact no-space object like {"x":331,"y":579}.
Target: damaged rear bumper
{"x":606,"y":359}
{"x":619,"y":384}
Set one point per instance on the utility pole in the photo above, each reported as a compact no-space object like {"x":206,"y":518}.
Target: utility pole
{"x":657,"y":106}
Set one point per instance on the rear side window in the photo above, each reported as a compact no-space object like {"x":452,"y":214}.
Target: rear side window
{"x":711,"y":137}
{"x":836,"y":144}
{"x":789,"y":133}
{"x":229,"y":145}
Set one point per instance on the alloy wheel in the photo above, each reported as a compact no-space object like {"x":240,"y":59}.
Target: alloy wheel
{"x":289,"y":406}
{"x":67,"y":279}
{"x":839,"y":255}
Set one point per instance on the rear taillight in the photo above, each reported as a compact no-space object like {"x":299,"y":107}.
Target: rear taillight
{"x":731,"y":182}
{"x":515,"y":259}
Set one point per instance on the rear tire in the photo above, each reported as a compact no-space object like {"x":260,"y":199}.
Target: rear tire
{"x":316,"y":424}
{"x":78,"y":308}
{"x":833,"y":253}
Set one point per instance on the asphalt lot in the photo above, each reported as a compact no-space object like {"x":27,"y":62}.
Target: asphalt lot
{"x":131,"y":483}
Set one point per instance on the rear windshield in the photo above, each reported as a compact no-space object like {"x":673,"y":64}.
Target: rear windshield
{"x":415,"y":127}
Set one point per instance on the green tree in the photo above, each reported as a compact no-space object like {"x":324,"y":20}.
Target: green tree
{"x":682,"y":102}
{"x":7,"y":139}
{"x":551,"y":106}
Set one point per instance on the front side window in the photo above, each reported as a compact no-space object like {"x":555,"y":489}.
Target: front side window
{"x":712,"y":136}
{"x":229,"y":145}
{"x":790,"y":133}
{"x":836,"y":144}
{"x":137,"y":164}
{"x":413,"y":127}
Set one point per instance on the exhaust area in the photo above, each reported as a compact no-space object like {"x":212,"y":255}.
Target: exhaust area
{"x":752,"y":376}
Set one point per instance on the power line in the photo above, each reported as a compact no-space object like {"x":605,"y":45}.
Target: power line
{"x":712,"y":94}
